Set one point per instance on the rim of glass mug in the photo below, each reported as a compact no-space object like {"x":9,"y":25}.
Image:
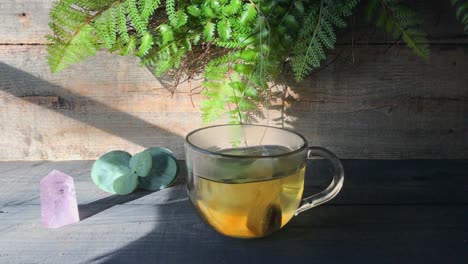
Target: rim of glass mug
{"x":205,"y":151}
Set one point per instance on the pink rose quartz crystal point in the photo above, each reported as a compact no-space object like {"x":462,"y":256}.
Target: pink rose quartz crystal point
{"x":58,"y":200}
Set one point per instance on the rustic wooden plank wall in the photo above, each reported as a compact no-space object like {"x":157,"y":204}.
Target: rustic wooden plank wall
{"x":374,"y":101}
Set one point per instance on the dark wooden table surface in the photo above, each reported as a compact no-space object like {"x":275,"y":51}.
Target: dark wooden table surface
{"x":388,"y":212}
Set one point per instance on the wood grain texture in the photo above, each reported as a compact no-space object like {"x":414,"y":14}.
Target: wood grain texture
{"x":26,"y":22}
{"x":388,"y":212}
{"x":82,"y":113}
{"x":387,"y":105}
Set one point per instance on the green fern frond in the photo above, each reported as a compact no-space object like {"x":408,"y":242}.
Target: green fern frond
{"x":128,"y":48}
{"x":316,"y":33}
{"x":148,"y":7}
{"x":399,"y":20}
{"x":167,"y":34}
{"x":241,"y":46}
{"x":122,"y":23}
{"x":216,"y":73}
{"x":171,"y":12}
{"x":78,"y":33}
{"x":240,"y":29}
{"x":299,"y":7}
{"x":249,"y":13}
{"x":346,"y":7}
{"x":135,"y":17}
{"x":224,"y":29}
{"x":105,"y":28}
{"x":193,"y":10}
{"x":208,"y":31}
{"x":64,"y":46}
{"x":145,"y":44}
{"x":232,"y":8}
{"x":207,"y":11}
{"x":63,"y":54}
{"x":181,"y":19}
{"x":88,"y":5}
{"x":462,"y":12}
{"x":215,"y":105}
{"x":223,"y":60}
{"x":227,"y":44}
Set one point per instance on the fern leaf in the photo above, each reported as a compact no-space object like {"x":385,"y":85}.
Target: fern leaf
{"x":105,"y":28}
{"x":135,"y":17}
{"x":317,"y":32}
{"x":208,"y":31}
{"x":334,"y":17}
{"x":82,"y":27}
{"x":232,"y":8}
{"x":249,"y":13}
{"x":193,"y":10}
{"x":171,"y":12}
{"x":223,"y":60}
{"x":224,"y":29}
{"x":227,"y":44}
{"x":93,"y":5}
{"x":216,"y":73}
{"x":214,"y":106}
{"x":148,"y":7}
{"x":462,"y":9}
{"x":461,"y":12}
{"x":145,"y":45}
{"x":122,"y":23}
{"x":299,"y":6}
{"x":129,"y":47}
{"x":249,"y":55}
{"x":291,"y":22}
{"x":399,"y":20}
{"x":239,"y":28}
{"x":208,"y":12}
{"x":166,"y":33}
{"x":112,"y":25}
{"x":63,"y":54}
{"x":72,"y":38}
{"x":182,"y":19}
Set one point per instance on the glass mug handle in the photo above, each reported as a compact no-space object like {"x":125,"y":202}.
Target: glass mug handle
{"x":335,"y":186}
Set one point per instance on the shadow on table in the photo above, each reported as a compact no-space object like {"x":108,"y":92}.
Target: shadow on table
{"x":95,"y":207}
{"x":387,"y":212}
{"x":90,"y":209}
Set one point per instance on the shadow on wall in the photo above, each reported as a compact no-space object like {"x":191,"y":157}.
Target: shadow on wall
{"x":53,"y":97}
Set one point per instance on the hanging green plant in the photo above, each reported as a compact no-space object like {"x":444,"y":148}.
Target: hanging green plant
{"x":240,"y":47}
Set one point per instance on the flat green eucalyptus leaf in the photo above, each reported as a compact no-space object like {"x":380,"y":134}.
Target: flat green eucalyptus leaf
{"x":163,"y":172}
{"x":141,"y":163}
{"x":155,"y":150}
{"x":109,"y":167}
{"x":126,"y":183}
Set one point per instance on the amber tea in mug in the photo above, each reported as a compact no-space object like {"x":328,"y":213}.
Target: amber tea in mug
{"x":247,"y":181}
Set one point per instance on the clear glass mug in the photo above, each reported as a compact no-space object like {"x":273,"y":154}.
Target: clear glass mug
{"x":247,"y":181}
